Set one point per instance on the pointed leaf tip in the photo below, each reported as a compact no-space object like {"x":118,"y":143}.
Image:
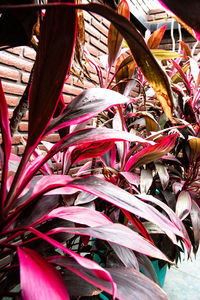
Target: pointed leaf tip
{"x":38,"y":278}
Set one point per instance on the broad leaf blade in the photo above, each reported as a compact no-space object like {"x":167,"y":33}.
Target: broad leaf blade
{"x":131,"y":284}
{"x":164,"y":54}
{"x":124,"y":200}
{"x":85,"y":106}
{"x":38,"y":278}
{"x":52,"y":64}
{"x":84,"y":262}
{"x":119,"y":234}
{"x":195,"y":217}
{"x":80,"y":215}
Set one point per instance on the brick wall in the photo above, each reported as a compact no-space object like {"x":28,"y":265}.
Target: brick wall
{"x":188,"y":39}
{"x":16,"y":65}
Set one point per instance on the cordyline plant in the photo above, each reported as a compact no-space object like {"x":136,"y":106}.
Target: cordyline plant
{"x":68,"y":235}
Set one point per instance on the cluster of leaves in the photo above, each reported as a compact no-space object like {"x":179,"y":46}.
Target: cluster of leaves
{"x":77,"y":234}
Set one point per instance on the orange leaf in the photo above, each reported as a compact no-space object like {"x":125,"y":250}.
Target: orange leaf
{"x":115,"y":39}
{"x":185,"y":48}
{"x":125,"y":68}
{"x":156,"y":37}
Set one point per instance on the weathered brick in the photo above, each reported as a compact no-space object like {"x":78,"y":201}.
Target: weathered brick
{"x":67,"y":98}
{"x":10,"y":113}
{"x":100,"y":46}
{"x":93,"y":51}
{"x":69,"y":80}
{"x":97,"y":25}
{"x":13,"y":88}
{"x":12,"y":100}
{"x":85,"y":84}
{"x":106,"y":23}
{"x":9,"y":73}
{"x":104,"y":30}
{"x":25,"y":77}
{"x":156,"y":11}
{"x":20,"y":149}
{"x":16,"y":50}
{"x":16,"y":139}
{"x":23,"y":126}
{"x":53,"y":138}
{"x":29,"y":53}
{"x":15,"y":61}
{"x":92,"y":31}
{"x":13,"y":150}
{"x":97,"y":17}
{"x":87,"y":16}
{"x":72,"y":90}
{"x":25,"y":118}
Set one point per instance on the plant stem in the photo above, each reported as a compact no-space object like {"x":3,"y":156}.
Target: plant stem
{"x":22,"y":107}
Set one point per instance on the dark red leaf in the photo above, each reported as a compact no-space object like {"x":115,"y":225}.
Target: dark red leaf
{"x":131,"y":284}
{"x":129,"y":202}
{"x":52,"y":64}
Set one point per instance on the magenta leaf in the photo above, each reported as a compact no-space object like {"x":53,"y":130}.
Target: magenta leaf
{"x":81,"y":137}
{"x":85,"y":106}
{"x":38,"y":278}
{"x":183,"y":76}
{"x":99,"y":272}
{"x":5,"y":131}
